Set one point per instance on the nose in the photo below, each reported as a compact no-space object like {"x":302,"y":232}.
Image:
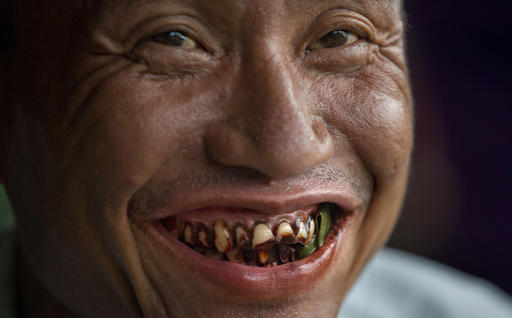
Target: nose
{"x":270,"y":126}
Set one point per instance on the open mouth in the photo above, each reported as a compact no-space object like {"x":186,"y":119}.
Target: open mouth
{"x":251,"y":249}
{"x":250,"y":238}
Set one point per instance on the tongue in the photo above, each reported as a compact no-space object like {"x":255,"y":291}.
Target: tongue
{"x":232,"y":216}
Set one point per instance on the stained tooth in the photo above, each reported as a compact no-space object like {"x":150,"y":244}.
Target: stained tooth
{"x":261,"y":234}
{"x":242,"y":238}
{"x":302,"y":234}
{"x":222,"y":237}
{"x":233,"y":255}
{"x":283,"y":253}
{"x":263,"y":255}
{"x":204,"y":236}
{"x":212,"y":253}
{"x":311,"y":230}
{"x":267,"y":256}
{"x":273,"y":259}
{"x":172,"y":226}
{"x":285,"y":232}
{"x":180,"y":227}
{"x":248,"y":256}
{"x":293,"y":254}
{"x":188,"y":234}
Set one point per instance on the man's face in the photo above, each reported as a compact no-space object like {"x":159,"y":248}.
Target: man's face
{"x":130,"y":116}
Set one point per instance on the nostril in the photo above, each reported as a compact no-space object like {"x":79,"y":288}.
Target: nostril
{"x":277,"y":151}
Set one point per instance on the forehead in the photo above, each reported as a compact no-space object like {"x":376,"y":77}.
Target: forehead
{"x":383,"y":13}
{"x":235,"y":13}
{"x":86,"y":3}
{"x":235,"y":6}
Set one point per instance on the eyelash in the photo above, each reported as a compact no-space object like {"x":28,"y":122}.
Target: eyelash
{"x":168,"y":37}
{"x":348,"y":38}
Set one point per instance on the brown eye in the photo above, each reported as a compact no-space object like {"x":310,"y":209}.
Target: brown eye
{"x":175,"y":38}
{"x":333,"y":39}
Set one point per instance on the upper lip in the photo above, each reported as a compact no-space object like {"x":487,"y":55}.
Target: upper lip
{"x":263,"y":202}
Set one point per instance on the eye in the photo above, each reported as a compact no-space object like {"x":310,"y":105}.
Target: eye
{"x":333,"y":39}
{"x":177,"y":39}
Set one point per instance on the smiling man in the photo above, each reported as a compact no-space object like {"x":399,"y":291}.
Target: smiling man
{"x":202,"y":158}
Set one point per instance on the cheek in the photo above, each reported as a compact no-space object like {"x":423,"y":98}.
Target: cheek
{"x":377,"y":123}
{"x":132,"y":125}
{"x":383,"y":136}
{"x":374,"y":116}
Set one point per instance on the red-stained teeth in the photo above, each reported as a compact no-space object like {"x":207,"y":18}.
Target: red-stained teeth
{"x":263,"y":255}
{"x":204,"y":236}
{"x":222,"y":237}
{"x":248,"y":256}
{"x":172,"y":226}
{"x":180,"y":226}
{"x":262,"y":237}
{"x":233,"y":255}
{"x":242,"y":238}
{"x":262,"y":234}
{"x":285,"y":233}
{"x":293,"y":254}
{"x":311,"y":230}
{"x":263,"y":245}
{"x":267,"y":256}
{"x":283,"y":253}
{"x":302,"y":235}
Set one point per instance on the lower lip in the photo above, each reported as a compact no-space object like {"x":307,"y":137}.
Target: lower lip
{"x":252,"y":282}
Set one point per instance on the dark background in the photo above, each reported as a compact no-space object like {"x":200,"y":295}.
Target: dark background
{"x":458,"y":210}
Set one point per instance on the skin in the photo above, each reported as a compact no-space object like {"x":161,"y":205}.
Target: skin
{"x":99,"y":123}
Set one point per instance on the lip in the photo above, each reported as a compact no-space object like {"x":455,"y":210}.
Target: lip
{"x":272,"y":204}
{"x":252,"y":282}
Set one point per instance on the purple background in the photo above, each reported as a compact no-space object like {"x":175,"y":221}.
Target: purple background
{"x":457,"y":210}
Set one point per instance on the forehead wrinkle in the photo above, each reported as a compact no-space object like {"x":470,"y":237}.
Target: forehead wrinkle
{"x":355,"y":2}
{"x":370,"y":8}
{"x":89,"y":4}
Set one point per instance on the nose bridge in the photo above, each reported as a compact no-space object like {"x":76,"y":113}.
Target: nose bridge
{"x":269,"y":83}
{"x":275,"y":106}
{"x":273,"y":129}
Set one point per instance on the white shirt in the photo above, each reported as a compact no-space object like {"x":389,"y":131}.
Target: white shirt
{"x":399,"y":285}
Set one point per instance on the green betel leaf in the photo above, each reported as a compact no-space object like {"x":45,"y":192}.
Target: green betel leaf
{"x":308,"y":249}
{"x":323,"y":222}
